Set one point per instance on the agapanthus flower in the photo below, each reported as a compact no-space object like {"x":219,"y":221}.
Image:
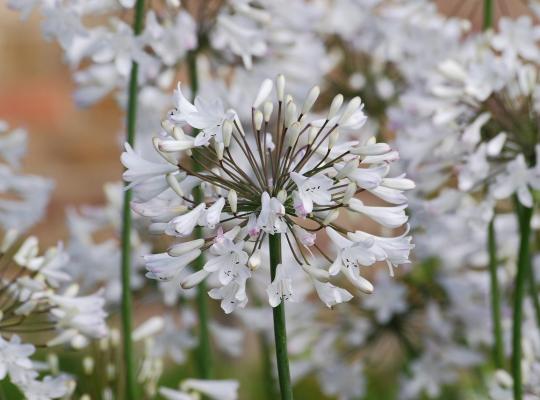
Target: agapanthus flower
{"x":289,"y":176}
{"x":39,"y":296}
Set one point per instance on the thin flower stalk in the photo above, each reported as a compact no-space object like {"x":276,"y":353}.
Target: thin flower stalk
{"x":127,"y":306}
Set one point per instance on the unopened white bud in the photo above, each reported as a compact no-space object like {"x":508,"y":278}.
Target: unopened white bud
{"x":335,"y":106}
{"x":267,"y":110}
{"x":148,"y":328}
{"x":232,"y":198}
{"x":290,"y":114}
{"x":88,"y":365}
{"x":254,"y":262}
{"x":292,"y":134}
{"x":362,"y":283}
{"x":167,"y":126}
{"x":226,"y":131}
{"x":157,"y":228}
{"x":85,"y":397}
{"x":280,"y":87}
{"x":258,"y":120}
{"x":219,"y":147}
{"x":173,"y":183}
{"x":319,"y":274}
{"x":348,"y":168}
{"x":333,"y":138}
{"x":351,"y":108}
{"x":349,"y":193}
{"x":52,"y":360}
{"x":178,"y":133}
{"x":264,"y":91}
{"x":10,"y":237}
{"x":183,"y":248}
{"x":312,"y":134}
{"x":282,"y":196}
{"x":311,"y":99}
{"x":238,"y":123}
{"x":331,"y":217}
{"x":194,"y":279}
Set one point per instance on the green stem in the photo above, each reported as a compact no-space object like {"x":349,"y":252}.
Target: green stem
{"x":524,"y":217}
{"x":280,"y":331}
{"x":488,"y":14}
{"x":267,"y":372}
{"x":127,"y":306}
{"x":498,"y":349}
{"x":204,"y":351}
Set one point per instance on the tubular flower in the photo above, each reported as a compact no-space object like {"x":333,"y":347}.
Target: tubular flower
{"x":289,"y":175}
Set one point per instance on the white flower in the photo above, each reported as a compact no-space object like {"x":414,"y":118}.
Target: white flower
{"x":517,"y":179}
{"x":139,"y":170}
{"x":183,"y":225}
{"x":206,"y":115}
{"x":163,"y":267}
{"x":330,"y":294}
{"x":281,"y":288}
{"x":15,"y":359}
{"x":270,"y":218}
{"x":232,"y":295}
{"x":391,"y":217}
{"x":313,"y":189}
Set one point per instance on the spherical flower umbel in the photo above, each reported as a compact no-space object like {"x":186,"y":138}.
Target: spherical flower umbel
{"x":287,"y":176}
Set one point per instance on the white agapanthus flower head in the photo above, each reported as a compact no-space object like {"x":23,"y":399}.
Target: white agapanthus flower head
{"x":288,"y":175}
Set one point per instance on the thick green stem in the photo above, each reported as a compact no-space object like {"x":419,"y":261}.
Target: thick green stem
{"x":280,"y":331}
{"x":523,"y":261}
{"x":498,"y":349}
{"x":204,"y":351}
{"x":127,"y":307}
{"x":488,"y":14}
{"x":267,"y":370}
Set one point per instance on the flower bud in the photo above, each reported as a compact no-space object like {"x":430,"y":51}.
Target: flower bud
{"x":348,"y":168}
{"x":185,"y":247}
{"x":311,"y":99}
{"x":167,"y":126}
{"x":292,"y":134}
{"x":280,"y":87}
{"x":194,"y":279}
{"x":226,"y":131}
{"x":173,"y":183}
{"x":52,"y":360}
{"x":232,"y":198}
{"x":88,"y":365}
{"x":319,"y":274}
{"x":349,"y":193}
{"x":178,"y":133}
{"x":333,"y":138}
{"x":312,"y":134}
{"x":282,"y":196}
{"x":351,"y":108}
{"x":335,"y":106}
{"x":148,"y":328}
{"x":258,"y":120}
{"x":219,"y":147}
{"x":264,"y":91}
{"x":267,"y":110}
{"x":114,"y":337}
{"x":254,"y":262}
{"x":290,"y":114}
{"x":331,"y":217}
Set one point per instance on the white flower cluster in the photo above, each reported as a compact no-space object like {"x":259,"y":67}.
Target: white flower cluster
{"x":23,"y":197}
{"x":290,"y":177}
